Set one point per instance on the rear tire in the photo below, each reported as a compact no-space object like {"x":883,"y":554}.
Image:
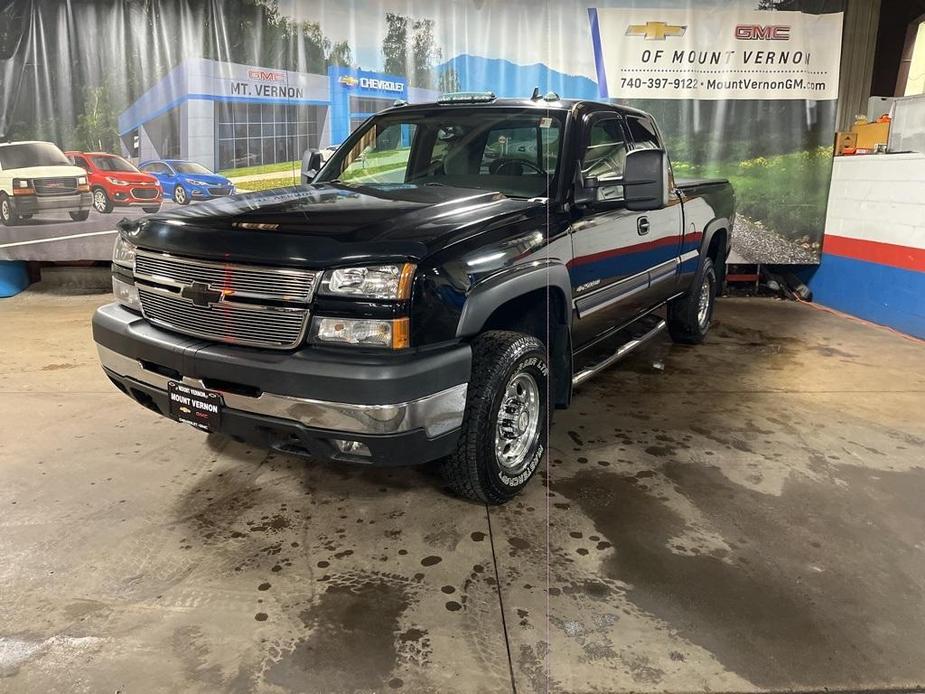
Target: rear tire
{"x":7,"y":214}
{"x":503,"y":437}
{"x":80,"y":216}
{"x":689,"y":316}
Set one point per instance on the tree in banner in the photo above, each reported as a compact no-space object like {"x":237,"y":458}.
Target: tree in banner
{"x":96,"y":127}
{"x":395,"y":44}
{"x":425,"y":53}
{"x":341,"y":54}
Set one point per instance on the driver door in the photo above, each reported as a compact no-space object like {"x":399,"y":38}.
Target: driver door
{"x":609,"y":268}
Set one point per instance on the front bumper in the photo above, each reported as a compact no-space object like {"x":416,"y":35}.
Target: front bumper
{"x":405,"y":409}
{"x":210,"y":192}
{"x":30,"y":204}
{"x":132,"y":196}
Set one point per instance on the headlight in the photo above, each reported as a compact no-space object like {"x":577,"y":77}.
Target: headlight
{"x":117,"y":181}
{"x":362,"y":332}
{"x":126,"y":293}
{"x":81,"y":180}
{"x":377,"y":282}
{"x":21,"y":183}
{"x":197,"y":183}
{"x":123,"y":253}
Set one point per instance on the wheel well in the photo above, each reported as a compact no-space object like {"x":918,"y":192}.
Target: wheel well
{"x":717,"y":253}
{"x":528,"y":313}
{"x":542,"y":313}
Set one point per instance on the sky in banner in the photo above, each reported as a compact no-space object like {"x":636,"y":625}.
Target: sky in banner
{"x":516,"y":30}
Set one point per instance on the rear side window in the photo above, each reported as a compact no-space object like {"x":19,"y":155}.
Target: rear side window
{"x":643,"y":132}
{"x":605,"y":155}
{"x":156,"y":168}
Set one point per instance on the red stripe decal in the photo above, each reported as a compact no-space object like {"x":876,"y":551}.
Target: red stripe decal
{"x":626,"y":250}
{"x":903,"y":257}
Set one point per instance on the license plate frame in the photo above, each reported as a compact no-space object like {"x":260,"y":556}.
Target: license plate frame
{"x":198,"y":407}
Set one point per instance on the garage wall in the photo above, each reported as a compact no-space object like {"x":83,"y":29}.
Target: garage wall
{"x":873,"y":257}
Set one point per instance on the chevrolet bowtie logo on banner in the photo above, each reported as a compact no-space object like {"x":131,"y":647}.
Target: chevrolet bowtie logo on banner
{"x":655,"y":31}
{"x":349,"y":81}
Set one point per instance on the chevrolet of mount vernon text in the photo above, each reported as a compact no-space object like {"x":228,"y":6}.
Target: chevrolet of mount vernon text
{"x":432,"y":292}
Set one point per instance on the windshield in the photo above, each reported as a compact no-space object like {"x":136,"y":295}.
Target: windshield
{"x":191,"y":167}
{"x":31,"y":154}
{"x":112,"y":163}
{"x":513,"y":151}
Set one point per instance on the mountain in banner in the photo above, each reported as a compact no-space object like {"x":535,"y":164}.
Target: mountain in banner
{"x":506,"y":79}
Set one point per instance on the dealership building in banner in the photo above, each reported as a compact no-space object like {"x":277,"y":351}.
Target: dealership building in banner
{"x":226,"y":115}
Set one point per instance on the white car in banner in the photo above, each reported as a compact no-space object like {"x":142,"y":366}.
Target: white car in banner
{"x":35,"y":177}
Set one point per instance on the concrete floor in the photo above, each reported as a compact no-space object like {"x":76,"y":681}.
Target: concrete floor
{"x":745,"y":515}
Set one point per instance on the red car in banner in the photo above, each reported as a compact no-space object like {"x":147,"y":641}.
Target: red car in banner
{"x":116,"y":182}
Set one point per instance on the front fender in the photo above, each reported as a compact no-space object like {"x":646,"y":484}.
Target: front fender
{"x":492,"y":292}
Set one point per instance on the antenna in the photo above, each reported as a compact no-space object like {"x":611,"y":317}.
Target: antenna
{"x":536,"y":94}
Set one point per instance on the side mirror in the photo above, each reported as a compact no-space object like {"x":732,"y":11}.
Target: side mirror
{"x":645,"y":180}
{"x":311,"y":165}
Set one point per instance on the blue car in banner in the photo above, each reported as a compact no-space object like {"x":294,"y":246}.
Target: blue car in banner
{"x":186,"y":180}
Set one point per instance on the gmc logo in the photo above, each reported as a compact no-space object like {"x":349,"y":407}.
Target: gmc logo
{"x":266,"y":75}
{"x":756,"y":32}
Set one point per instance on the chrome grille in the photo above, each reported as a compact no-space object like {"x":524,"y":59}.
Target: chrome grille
{"x":225,"y":321}
{"x":250,"y":281}
{"x":55,"y":186}
{"x":145,"y":193}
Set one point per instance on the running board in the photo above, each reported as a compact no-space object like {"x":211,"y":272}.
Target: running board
{"x":625,"y":349}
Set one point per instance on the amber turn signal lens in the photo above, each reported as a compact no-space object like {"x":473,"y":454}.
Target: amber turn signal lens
{"x":405,"y":281}
{"x":401,"y":333}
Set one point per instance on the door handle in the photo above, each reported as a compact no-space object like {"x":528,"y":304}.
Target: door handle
{"x":642,"y":226}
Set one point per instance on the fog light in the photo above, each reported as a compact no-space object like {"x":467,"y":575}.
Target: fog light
{"x":352,"y":448}
{"x":126,"y":294}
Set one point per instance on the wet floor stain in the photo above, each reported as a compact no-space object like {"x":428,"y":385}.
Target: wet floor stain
{"x":350,"y":642}
{"x":776,"y":610}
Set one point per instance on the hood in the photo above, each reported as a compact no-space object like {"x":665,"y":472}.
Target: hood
{"x":61,"y":170}
{"x":211,"y":179}
{"x":129,"y":176}
{"x":321,"y":226}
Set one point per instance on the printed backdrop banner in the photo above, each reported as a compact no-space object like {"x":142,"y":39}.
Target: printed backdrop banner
{"x":212,"y":96}
{"x":724,"y":53}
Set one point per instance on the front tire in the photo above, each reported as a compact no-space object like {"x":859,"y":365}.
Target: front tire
{"x":504,"y":430}
{"x":7,"y":214}
{"x":80,"y":216}
{"x":689,"y":316}
{"x":101,"y":201}
{"x":179,"y":195}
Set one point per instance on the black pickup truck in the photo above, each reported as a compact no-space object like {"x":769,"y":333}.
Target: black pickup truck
{"x":448,"y":277}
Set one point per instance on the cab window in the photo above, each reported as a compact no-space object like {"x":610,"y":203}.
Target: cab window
{"x":605,"y":156}
{"x":643,"y":132}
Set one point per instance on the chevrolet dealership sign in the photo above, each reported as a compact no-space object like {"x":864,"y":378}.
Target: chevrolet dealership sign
{"x":368,"y":82}
{"x":715,"y":53}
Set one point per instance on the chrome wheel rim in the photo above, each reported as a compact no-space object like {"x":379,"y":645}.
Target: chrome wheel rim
{"x":180,"y":194}
{"x":5,"y":208}
{"x":703,"y":305}
{"x":518,"y":424}
{"x":99,"y":201}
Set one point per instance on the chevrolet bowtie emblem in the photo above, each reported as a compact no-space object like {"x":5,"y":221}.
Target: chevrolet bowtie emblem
{"x":200,"y":294}
{"x":656,"y":31}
